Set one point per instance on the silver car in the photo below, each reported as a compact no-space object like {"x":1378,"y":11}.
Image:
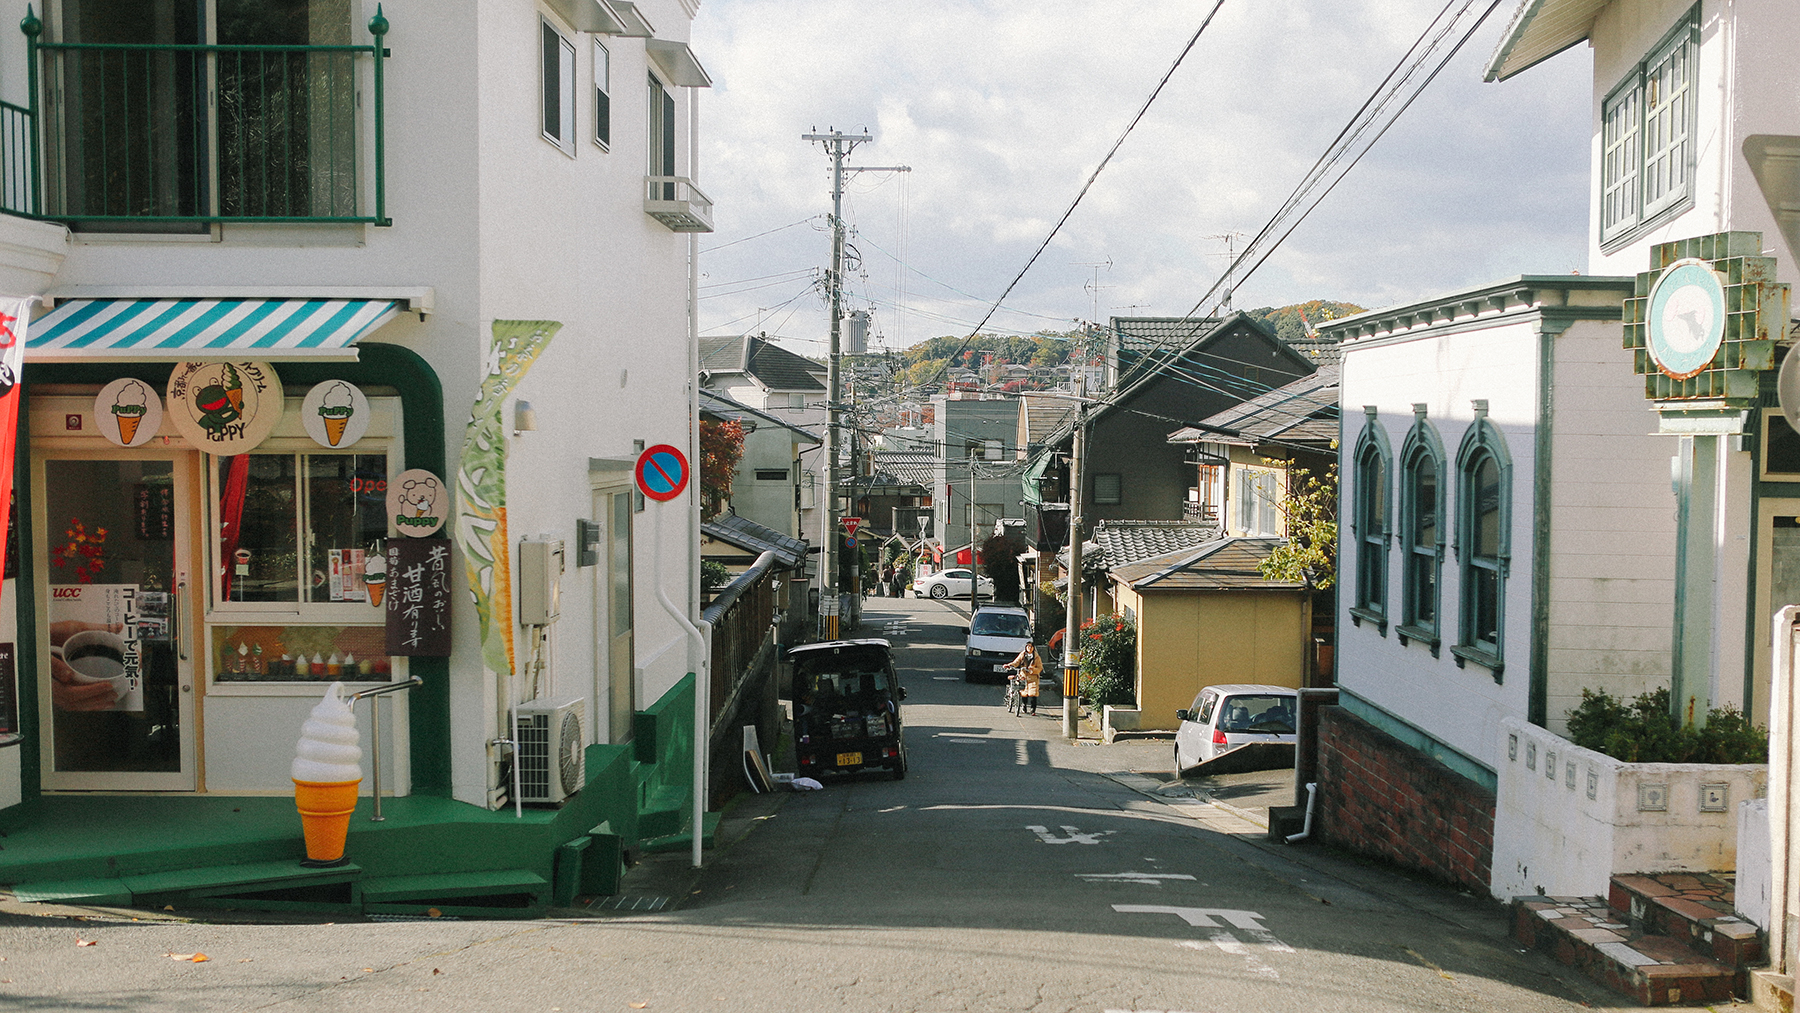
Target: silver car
{"x":1232,"y":715}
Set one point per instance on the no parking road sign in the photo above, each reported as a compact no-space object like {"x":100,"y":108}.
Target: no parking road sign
{"x":662,"y":472}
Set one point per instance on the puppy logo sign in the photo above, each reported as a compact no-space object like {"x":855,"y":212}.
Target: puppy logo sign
{"x":224,"y":407}
{"x":662,"y":472}
{"x":417,"y":503}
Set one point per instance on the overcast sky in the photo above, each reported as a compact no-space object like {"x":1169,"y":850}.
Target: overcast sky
{"x":1002,"y":108}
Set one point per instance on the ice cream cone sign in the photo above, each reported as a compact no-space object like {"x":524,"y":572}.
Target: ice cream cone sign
{"x":128,"y":412}
{"x":327,"y":769}
{"x":375,"y":577}
{"x":335,"y":413}
{"x":418,"y":503}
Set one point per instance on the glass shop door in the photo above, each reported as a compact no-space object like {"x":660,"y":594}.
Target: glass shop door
{"x":115,"y":564}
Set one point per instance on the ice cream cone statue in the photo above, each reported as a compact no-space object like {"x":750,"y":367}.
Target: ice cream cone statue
{"x":336,"y":410}
{"x":129,"y":408}
{"x":327,"y":770}
{"x":375,"y":578}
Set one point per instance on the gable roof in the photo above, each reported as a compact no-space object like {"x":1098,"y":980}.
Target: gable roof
{"x":770,"y":365}
{"x":1044,"y":416}
{"x":1122,"y":543}
{"x":756,"y":539}
{"x":1539,"y":30}
{"x":907,"y":467}
{"x":1193,"y":354}
{"x":1226,"y":564}
{"x":717,"y":405}
{"x":1304,"y":411}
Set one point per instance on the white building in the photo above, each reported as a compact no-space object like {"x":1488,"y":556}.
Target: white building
{"x":371,"y":204}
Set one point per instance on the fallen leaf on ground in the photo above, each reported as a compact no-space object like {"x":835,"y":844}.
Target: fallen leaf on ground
{"x":639,"y":1005}
{"x":245,"y":960}
{"x":432,"y":912}
{"x":436,"y":971}
{"x":192,"y":958}
{"x":368,"y":970}
{"x":85,"y":942}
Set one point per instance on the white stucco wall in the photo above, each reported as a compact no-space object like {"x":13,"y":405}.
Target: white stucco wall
{"x":500,"y":224}
{"x":1460,"y":706}
{"x":1612,"y":535}
{"x":1743,"y":88}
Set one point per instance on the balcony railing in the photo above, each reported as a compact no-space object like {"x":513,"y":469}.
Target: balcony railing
{"x":677,"y":203}
{"x":171,"y":135}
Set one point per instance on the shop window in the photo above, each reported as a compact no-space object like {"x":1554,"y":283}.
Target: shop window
{"x":1483,"y":538}
{"x":1421,"y":530}
{"x":1647,"y":135}
{"x":1371,"y":519}
{"x":293,"y":532}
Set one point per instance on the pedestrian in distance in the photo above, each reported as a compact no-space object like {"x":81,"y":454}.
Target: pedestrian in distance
{"x":1030,"y":669}
{"x":887,"y":581}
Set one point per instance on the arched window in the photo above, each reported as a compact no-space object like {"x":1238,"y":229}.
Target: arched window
{"x":1370,"y":521}
{"x":1483,"y":542}
{"x":1421,"y":530}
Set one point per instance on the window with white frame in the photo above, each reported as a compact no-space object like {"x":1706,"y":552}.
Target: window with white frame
{"x":1484,"y":539}
{"x":602,"y":95}
{"x":662,"y":140}
{"x":1647,"y":134}
{"x":1258,"y":502}
{"x":558,"y":89}
{"x":1370,"y":520}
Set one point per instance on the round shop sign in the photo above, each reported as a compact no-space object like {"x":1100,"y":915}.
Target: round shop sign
{"x":128,"y":412}
{"x":224,"y":407}
{"x":417,"y":503}
{"x":1686,"y":318}
{"x":335,"y":413}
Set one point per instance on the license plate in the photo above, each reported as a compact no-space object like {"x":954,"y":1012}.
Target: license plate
{"x":849,"y":759}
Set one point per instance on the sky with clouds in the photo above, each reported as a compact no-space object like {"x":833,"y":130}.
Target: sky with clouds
{"x":1003,"y":107}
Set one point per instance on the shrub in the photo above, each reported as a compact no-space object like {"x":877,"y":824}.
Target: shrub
{"x":713,"y":574}
{"x":1645,"y":731}
{"x":1109,"y":661}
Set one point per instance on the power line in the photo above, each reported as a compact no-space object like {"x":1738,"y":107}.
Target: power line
{"x":759,"y":235}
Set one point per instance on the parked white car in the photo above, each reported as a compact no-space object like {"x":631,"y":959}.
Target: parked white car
{"x":1228,"y":716}
{"x":952,"y":583}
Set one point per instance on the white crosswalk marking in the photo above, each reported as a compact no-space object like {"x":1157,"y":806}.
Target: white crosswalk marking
{"x":1198,"y":917}
{"x":1146,"y":878}
{"x":1228,"y":943}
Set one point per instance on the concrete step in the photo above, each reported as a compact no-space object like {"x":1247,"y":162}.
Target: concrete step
{"x":1696,"y":908}
{"x":1654,"y":970}
{"x":181,"y":885}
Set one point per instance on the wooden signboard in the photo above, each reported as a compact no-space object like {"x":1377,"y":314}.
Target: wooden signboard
{"x":418,"y":597}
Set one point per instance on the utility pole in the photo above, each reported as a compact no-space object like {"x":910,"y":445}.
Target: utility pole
{"x":838,"y":145}
{"x":1072,"y":619}
{"x":1230,"y":239}
{"x":974,"y":556}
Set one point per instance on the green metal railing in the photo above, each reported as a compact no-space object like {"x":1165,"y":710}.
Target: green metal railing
{"x":173,"y":134}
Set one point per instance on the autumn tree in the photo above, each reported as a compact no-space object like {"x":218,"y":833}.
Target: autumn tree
{"x":721,"y":448}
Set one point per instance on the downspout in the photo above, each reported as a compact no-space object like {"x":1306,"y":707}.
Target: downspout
{"x":1312,"y":796}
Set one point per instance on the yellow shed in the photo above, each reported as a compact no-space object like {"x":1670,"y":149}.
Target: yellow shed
{"x":1207,"y":616}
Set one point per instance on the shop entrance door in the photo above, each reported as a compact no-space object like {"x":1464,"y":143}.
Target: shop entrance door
{"x":115,"y":565}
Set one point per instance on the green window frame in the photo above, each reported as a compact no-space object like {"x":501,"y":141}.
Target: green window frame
{"x":1371,"y":520}
{"x":1422,"y":532}
{"x":1647,"y":127}
{"x":1483,"y":543}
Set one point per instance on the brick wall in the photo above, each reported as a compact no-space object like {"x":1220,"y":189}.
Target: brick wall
{"x":1381,"y":797}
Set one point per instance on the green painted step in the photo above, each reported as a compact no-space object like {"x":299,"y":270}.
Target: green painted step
{"x":432,"y":886}
{"x":104,"y":892}
{"x":677,"y":842}
{"x":196,"y":882}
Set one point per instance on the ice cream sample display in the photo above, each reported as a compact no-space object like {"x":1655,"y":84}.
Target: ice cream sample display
{"x":327,"y":770}
{"x":338,"y":404}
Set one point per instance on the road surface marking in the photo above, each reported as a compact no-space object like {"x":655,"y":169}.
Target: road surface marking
{"x":1198,"y":917}
{"x":1021,"y":758}
{"x":946,"y":678}
{"x":1146,"y":878}
{"x":1075,"y":835}
{"x":962,"y":740}
{"x":1228,"y":943}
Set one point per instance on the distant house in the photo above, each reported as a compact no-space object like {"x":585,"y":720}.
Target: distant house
{"x":1244,"y":455}
{"x":976,"y":480}
{"x":766,"y":486}
{"x":1207,"y":616}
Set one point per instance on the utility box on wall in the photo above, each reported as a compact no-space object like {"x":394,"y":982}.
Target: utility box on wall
{"x":540,"y":581}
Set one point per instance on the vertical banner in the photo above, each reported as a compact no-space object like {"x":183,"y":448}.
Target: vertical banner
{"x":481,"y":485}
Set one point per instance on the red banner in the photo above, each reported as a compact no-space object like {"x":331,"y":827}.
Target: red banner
{"x":15,"y":315}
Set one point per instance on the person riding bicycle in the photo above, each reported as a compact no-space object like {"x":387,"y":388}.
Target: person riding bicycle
{"x":1029,"y":669}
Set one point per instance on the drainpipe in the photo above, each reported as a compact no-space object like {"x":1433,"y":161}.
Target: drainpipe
{"x":1312,"y":796}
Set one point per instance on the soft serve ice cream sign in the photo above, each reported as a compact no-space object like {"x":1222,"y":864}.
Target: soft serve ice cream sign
{"x":335,"y":413}
{"x":128,"y":412}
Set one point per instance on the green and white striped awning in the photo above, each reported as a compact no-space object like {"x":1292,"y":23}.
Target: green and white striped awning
{"x":186,"y":330}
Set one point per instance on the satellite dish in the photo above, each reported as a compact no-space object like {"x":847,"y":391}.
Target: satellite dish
{"x":1787,"y":388}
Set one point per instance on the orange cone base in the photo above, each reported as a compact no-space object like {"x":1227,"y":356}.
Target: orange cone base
{"x":325,"y":810}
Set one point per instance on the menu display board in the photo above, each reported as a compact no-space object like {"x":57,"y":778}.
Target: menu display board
{"x":418,"y":597}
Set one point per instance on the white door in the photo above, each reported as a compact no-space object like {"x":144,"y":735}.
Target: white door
{"x":115,"y":565}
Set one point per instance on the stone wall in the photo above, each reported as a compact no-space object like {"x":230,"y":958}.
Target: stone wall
{"x":1378,"y":796}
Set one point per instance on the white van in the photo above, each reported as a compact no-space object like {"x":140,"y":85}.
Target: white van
{"x":997,"y":633}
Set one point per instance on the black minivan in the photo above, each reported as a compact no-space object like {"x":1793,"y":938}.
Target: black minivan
{"x":847,"y":708}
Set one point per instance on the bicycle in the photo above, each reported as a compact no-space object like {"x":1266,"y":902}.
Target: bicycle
{"x":1015,"y":704}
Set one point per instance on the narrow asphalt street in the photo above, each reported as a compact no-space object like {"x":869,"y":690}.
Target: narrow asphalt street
{"x":1009,"y":871}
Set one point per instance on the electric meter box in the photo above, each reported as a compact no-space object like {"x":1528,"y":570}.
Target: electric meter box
{"x":540,"y":581}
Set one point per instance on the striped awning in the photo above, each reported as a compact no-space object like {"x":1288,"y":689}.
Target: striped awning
{"x":184,"y":330}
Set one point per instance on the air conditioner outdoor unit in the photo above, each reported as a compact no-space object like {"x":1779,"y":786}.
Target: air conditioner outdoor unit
{"x":551,"y":744}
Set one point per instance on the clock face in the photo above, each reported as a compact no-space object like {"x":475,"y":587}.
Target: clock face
{"x":1686,"y":318}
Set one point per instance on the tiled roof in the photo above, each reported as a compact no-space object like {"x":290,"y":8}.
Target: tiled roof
{"x":1322,"y":350}
{"x":1044,"y":416}
{"x":755,"y":538}
{"x":1142,"y":334}
{"x":907,"y":467}
{"x":1304,"y":411}
{"x":771,"y":365}
{"x":1223,"y":565}
{"x":1126,"y":542}
{"x":716,"y":404}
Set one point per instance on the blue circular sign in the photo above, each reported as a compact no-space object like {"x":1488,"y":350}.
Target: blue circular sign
{"x":662,"y":472}
{"x":1686,"y":318}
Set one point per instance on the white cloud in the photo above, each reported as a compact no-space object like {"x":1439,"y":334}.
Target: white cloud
{"x":1002,"y":109}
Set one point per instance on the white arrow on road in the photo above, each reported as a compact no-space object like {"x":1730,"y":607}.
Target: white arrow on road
{"x":1146,"y":878}
{"x":1198,"y":917}
{"x":1075,"y":836}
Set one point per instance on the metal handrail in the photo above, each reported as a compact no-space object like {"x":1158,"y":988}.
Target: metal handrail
{"x":375,"y":696}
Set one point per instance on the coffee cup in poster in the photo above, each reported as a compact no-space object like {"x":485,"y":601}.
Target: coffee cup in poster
{"x":224,"y":407}
{"x":128,"y":412}
{"x":335,"y":413}
{"x":417,"y":502}
{"x":96,"y":653}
